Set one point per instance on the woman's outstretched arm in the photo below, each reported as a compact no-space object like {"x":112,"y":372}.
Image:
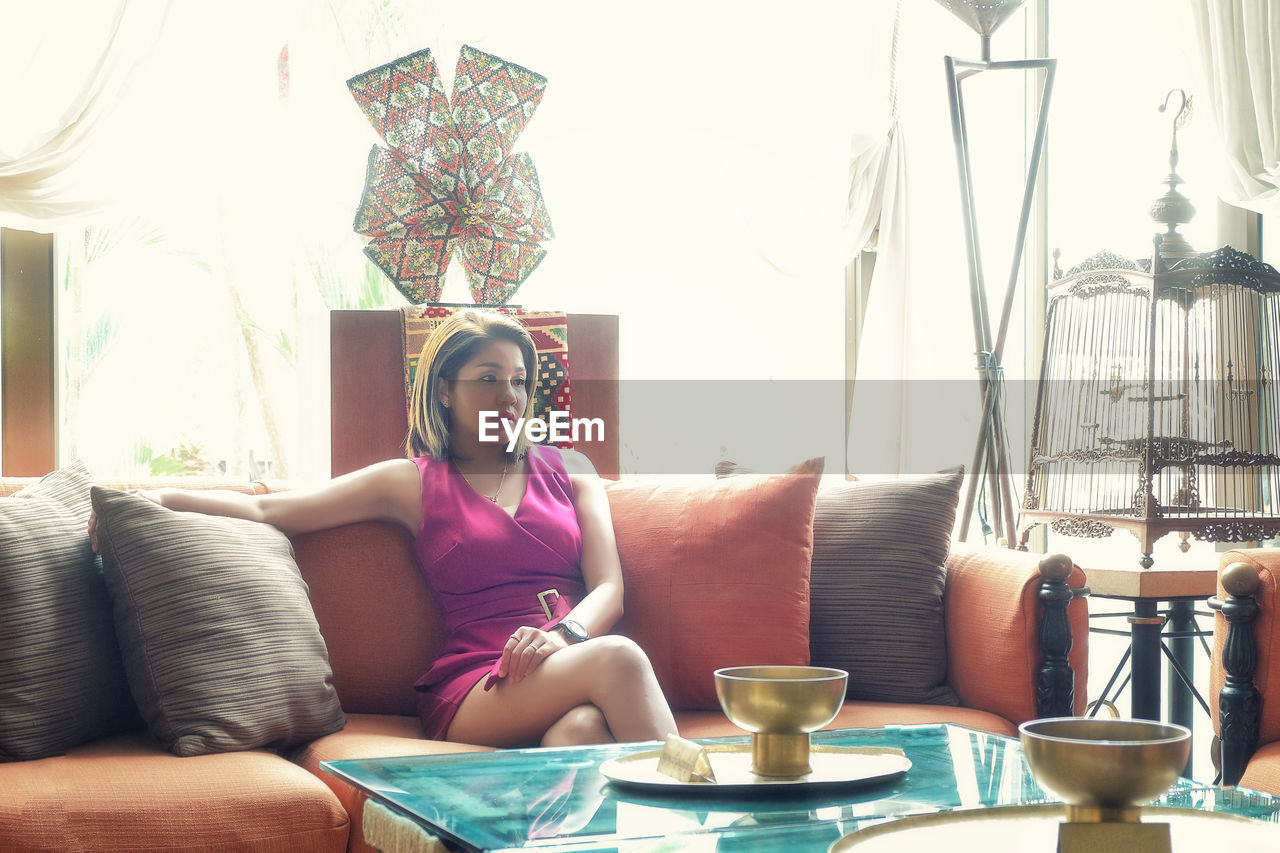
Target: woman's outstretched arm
{"x":386,"y":491}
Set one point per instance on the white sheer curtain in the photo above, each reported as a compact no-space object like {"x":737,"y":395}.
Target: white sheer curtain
{"x":695,"y":159}
{"x":878,"y":206}
{"x":911,"y":408}
{"x":66,"y":67}
{"x":1239,"y":43}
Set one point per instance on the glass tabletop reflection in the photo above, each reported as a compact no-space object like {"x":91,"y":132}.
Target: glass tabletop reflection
{"x":556,"y":799}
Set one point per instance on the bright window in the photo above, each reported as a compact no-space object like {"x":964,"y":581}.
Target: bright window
{"x":687,"y":187}
{"x":690,"y":155}
{"x":1109,"y":153}
{"x":192,"y":319}
{"x":1110,"y":143}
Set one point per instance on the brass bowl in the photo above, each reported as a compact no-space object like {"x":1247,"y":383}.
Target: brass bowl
{"x":780,"y":705}
{"x":1104,"y":770}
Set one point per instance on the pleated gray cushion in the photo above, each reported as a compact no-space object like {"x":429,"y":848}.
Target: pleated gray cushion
{"x":61,"y":680}
{"x":219,"y":640}
{"x":876,"y":582}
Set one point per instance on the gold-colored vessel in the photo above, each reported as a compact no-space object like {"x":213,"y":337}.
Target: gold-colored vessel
{"x":780,"y":706}
{"x":1105,"y":771}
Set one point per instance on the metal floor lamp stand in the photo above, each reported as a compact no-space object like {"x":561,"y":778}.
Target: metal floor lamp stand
{"x":991,"y":453}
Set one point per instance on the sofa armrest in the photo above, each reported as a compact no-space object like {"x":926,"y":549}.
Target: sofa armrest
{"x":1246,"y":631}
{"x":13,"y":485}
{"x":993,"y":611}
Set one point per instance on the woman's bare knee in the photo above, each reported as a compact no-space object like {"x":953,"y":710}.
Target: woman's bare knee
{"x":610,"y":675}
{"x":581,"y":725}
{"x":621,"y":667}
{"x":624,"y":687}
{"x":620,"y":657}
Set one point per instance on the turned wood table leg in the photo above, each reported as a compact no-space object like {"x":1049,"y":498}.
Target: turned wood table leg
{"x":1239,"y":703}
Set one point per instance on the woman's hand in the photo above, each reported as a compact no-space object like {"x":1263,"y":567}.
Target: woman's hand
{"x":526,"y":649}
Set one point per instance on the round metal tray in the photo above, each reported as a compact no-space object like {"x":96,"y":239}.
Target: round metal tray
{"x":833,"y":766}
{"x":1035,"y":829}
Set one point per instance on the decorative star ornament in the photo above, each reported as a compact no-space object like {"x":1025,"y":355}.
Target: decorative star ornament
{"x":447,"y":179}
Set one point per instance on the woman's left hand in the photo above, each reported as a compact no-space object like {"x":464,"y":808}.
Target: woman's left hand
{"x":526,"y":650}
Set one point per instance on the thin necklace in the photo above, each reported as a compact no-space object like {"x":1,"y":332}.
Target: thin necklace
{"x":491,"y":498}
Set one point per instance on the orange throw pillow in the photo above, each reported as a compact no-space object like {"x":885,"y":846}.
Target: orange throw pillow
{"x":716,"y":574}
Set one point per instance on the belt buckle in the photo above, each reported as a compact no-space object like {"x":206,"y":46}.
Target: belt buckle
{"x":542,"y":599}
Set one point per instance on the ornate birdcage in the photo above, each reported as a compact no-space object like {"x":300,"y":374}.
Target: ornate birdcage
{"x":1157,"y":409}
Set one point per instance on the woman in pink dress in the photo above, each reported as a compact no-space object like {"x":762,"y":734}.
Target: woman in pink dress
{"x":517,"y":547}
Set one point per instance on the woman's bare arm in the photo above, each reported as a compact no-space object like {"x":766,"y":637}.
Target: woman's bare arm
{"x":602,"y":607}
{"x":387,"y":491}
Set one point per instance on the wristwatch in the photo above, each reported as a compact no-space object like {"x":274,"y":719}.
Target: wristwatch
{"x":573,"y":632}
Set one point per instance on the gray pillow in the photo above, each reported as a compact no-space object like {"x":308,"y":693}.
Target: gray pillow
{"x":876,"y":583}
{"x":220,"y":644}
{"x":61,"y":681}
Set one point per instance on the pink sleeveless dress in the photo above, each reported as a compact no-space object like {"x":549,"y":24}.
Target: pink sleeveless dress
{"x":487,"y":568}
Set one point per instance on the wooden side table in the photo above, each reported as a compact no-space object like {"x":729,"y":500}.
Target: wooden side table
{"x":1149,"y":627}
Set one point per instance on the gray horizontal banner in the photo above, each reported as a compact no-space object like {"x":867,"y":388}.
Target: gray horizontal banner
{"x":685,"y":427}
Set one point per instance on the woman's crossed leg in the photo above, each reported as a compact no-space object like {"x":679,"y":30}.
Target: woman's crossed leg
{"x":598,"y":691}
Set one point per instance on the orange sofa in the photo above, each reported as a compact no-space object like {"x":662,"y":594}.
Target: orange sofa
{"x":381,"y":627}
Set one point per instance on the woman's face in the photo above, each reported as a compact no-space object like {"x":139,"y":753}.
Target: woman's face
{"x":492,"y":381}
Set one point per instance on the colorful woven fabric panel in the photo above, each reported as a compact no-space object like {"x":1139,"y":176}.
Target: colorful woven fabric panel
{"x":447,"y":179}
{"x":550,"y":332}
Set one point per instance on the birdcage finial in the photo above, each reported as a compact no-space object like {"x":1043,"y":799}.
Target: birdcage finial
{"x":1173,"y":208}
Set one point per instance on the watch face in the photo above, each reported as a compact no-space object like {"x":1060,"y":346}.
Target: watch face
{"x":575,"y":632}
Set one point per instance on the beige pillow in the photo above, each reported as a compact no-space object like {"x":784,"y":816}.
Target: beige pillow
{"x":219,"y":641}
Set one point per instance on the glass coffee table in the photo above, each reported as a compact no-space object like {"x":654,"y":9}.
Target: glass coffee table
{"x":557,"y":799}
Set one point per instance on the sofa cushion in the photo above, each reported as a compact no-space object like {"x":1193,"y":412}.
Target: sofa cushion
{"x":1263,"y":770}
{"x":716,"y":574}
{"x":879,"y":549}
{"x":381,"y":623}
{"x":61,"y":680}
{"x":369,"y":736}
{"x":125,"y":794}
{"x":219,"y":641}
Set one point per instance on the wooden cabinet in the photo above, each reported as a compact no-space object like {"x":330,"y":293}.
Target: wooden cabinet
{"x":368,"y":405}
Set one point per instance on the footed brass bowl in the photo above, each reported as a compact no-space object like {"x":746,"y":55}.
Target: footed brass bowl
{"x":1104,"y":770}
{"x":780,"y":705}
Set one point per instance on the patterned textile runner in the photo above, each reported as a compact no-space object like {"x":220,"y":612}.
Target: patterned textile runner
{"x":550,"y":331}
{"x":392,"y":832}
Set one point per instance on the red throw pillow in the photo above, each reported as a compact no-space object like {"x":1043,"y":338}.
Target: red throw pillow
{"x":716,"y":574}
